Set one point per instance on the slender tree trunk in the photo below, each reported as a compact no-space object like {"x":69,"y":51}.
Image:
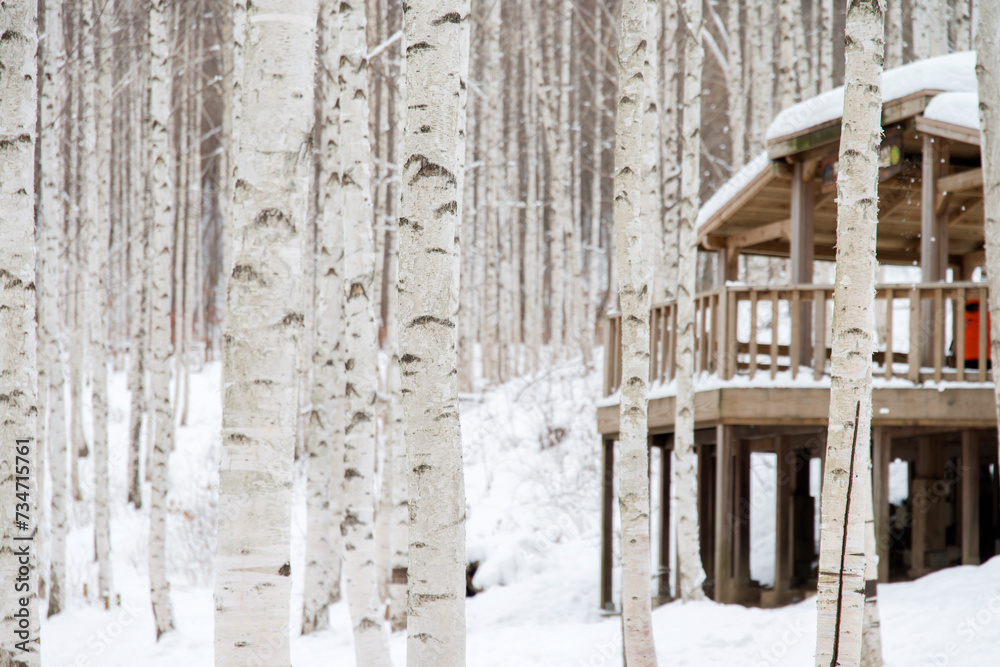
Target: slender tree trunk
{"x":361,"y":346}
{"x":19,"y":645}
{"x":826,"y":36}
{"x":787,"y":85}
{"x":842,"y":560}
{"x":164,"y":217}
{"x":763,"y":75}
{"x":685,"y":463}
{"x":98,"y":257}
{"x":51,"y":215}
{"x":325,"y":483}
{"x":265,"y":320}
{"x":987,"y":63}
{"x":894,"y":34}
{"x":672,"y":28}
{"x":430,"y":210}
{"x":961,"y":24}
{"x":533,"y":274}
{"x":735,"y":86}
{"x":632,"y":246}
{"x":597,"y":171}
{"x":650,"y":146}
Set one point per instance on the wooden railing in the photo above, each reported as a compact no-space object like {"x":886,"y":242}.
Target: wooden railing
{"x":920,"y":333}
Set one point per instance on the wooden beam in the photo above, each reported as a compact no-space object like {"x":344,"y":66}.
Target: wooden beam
{"x":943,"y":130}
{"x":933,"y":234}
{"x":770,"y":232}
{"x":739,"y":199}
{"x":663,"y":576}
{"x":801,"y":244}
{"x":963,"y":180}
{"x":970,"y":498}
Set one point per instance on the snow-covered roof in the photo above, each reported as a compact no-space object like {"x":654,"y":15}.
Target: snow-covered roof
{"x":955,"y":72}
{"x":734,"y":185}
{"x":960,"y":109}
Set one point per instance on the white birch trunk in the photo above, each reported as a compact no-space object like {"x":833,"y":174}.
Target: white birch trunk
{"x":429,"y":213}
{"x":961,"y":24}
{"x":826,"y":36}
{"x":651,"y":183}
{"x":842,"y":559}
{"x":533,"y":317}
{"x":138,"y":304}
{"x":735,"y":86}
{"x":987,"y":63}
{"x":871,"y":632}
{"x":325,"y":481}
{"x":565,"y":332}
{"x":763,"y":75}
{"x":787,"y":84}
{"x":597,"y":170}
{"x":51,"y":215}
{"x":161,"y":185}
{"x":894,"y":34}
{"x":371,"y":644}
{"x":671,"y":155}
{"x":100,"y":194}
{"x":683,"y":486}
{"x":803,"y":65}
{"x":633,"y":250}
{"x":260,"y":398}
{"x":19,"y":639}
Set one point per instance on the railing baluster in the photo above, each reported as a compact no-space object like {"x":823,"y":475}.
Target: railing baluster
{"x":819,"y":333}
{"x":959,"y":315}
{"x":608,"y":343}
{"x":888,"y":334}
{"x":913,"y":358}
{"x":774,"y":333}
{"x":716,"y":341}
{"x":654,"y":345}
{"x":731,"y":351}
{"x":984,"y":313}
{"x":794,"y":348}
{"x":673,"y":341}
{"x":703,"y":340}
{"x":938,"y":340}
{"x":753,"y":333}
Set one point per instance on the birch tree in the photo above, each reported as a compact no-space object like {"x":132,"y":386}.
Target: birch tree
{"x":842,"y":559}
{"x":260,"y":401}
{"x":19,"y":642}
{"x":429,"y":213}
{"x":651,"y":184}
{"x":684,"y":482}
{"x":632,"y":247}
{"x":100,"y":194}
{"x":325,"y":483}
{"x":50,"y":216}
{"x":161,"y":187}
{"x":371,"y":644}
{"x":987,"y":59}
{"x":672,"y":27}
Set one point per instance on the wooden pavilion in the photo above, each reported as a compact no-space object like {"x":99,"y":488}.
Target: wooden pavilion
{"x":763,"y":357}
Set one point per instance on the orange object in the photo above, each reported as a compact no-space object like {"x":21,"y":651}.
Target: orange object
{"x":972,"y":331}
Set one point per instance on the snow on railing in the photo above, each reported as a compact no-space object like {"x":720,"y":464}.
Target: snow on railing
{"x":742,"y":330}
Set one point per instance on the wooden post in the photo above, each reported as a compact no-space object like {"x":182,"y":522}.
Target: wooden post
{"x":970,"y":498}
{"x":784,"y":539}
{"x":933,"y":229}
{"x":802,"y":254}
{"x":607,"y":523}
{"x":663,"y":578}
{"x":803,"y":519}
{"x":741,"y":538}
{"x":725,"y":518}
{"x":727,"y":267}
{"x":881,"y":456}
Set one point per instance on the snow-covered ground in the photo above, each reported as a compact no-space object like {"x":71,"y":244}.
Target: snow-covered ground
{"x":532,"y":476}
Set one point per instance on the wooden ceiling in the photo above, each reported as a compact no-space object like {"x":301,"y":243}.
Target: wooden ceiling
{"x":756,"y":220}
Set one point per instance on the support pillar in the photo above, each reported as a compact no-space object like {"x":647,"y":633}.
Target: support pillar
{"x":933,"y":231}
{"x":724,"y":512}
{"x":802,"y":251}
{"x":607,"y":523}
{"x":970,"y":498}
{"x":803,"y":520}
{"x":784,"y":535}
{"x":741,"y":533}
{"x":663,"y":578}
{"x":727,"y":267}
{"x":881,"y":456}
